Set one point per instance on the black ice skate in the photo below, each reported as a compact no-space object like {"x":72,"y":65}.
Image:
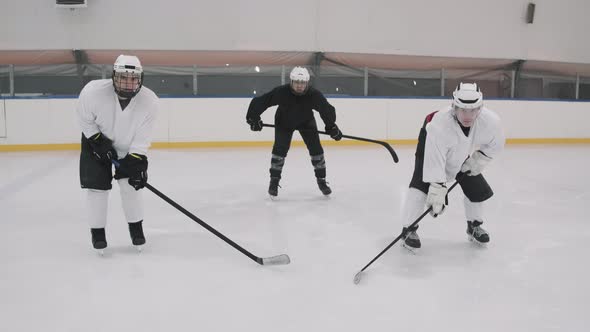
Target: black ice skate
{"x":99,"y":240}
{"x":136,"y":233}
{"x":273,"y":188}
{"x":476,"y":233}
{"x":323,"y":185}
{"x":411,"y":239}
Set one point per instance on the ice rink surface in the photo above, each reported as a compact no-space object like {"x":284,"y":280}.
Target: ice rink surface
{"x":533,"y":276}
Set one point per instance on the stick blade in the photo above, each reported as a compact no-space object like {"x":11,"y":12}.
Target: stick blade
{"x":357,"y":278}
{"x":276,"y":260}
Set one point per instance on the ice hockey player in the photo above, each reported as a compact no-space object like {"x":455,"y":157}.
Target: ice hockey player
{"x":455,"y":143}
{"x":296,"y":102}
{"x":116,"y":117}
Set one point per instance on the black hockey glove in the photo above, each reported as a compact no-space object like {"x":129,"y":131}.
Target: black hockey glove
{"x":255,"y":124}
{"x":135,"y":167}
{"x":102,"y":148}
{"x":334,"y":132}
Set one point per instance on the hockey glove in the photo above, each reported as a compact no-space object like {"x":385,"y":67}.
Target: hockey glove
{"x":437,"y":198}
{"x":255,"y":124}
{"x":102,"y":148}
{"x":135,"y":167}
{"x":475,"y":164}
{"x":334,"y":132}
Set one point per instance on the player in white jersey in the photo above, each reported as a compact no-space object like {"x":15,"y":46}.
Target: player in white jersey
{"x":454,"y":143}
{"x":116,"y":117}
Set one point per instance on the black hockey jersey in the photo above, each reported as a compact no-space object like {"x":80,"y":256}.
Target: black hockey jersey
{"x":293,"y":110}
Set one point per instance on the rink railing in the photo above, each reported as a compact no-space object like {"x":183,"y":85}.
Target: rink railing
{"x":51,"y":124}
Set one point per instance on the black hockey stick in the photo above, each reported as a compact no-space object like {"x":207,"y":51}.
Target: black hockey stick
{"x":385,"y":144}
{"x":357,"y":277}
{"x":274,"y":260}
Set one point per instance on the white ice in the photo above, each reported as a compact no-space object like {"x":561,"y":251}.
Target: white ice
{"x":533,"y":276}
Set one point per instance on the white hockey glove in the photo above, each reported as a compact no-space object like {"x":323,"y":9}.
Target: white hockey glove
{"x":437,"y":198}
{"x":475,"y":164}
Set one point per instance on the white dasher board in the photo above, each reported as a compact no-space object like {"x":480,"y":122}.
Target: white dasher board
{"x":2,"y":119}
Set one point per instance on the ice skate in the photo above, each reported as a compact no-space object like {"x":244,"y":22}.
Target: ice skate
{"x":136,"y":233}
{"x":476,"y":234}
{"x":99,"y":241}
{"x":323,"y":185}
{"x":411,"y":240}
{"x":273,"y":188}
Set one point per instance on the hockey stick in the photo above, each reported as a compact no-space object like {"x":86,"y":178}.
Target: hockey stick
{"x":385,"y":144}
{"x":274,"y":260}
{"x":357,"y":277}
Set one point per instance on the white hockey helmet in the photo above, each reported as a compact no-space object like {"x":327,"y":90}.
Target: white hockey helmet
{"x":299,"y":80}
{"x":127,"y":76}
{"x":299,"y":74}
{"x":467,"y":96}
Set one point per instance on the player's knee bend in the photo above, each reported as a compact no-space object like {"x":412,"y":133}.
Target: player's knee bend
{"x":125,"y":187}
{"x":98,"y":194}
{"x":479,"y":195}
{"x":412,"y":206}
{"x":277,"y":162}
{"x":280,"y":150}
{"x":131,"y":200}
{"x":98,"y":191}
{"x":315,"y":148}
{"x":129,"y":196}
{"x":318,"y":161}
{"x":476,"y":188}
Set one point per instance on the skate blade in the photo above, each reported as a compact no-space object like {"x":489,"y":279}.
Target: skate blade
{"x":139,"y":248}
{"x":474,"y":240}
{"x":100,"y":252}
{"x":412,"y":250}
{"x":273,"y":198}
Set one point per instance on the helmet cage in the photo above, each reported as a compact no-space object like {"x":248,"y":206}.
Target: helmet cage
{"x":127,"y":76}
{"x":127,"y":84}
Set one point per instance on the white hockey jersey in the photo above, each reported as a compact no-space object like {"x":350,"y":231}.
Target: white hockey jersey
{"x":130,"y":129}
{"x":447,"y":147}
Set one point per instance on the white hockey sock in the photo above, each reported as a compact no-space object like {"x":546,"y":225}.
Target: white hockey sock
{"x":97,"y":202}
{"x":473,"y":211}
{"x":132,"y":201}
{"x":413,"y":206}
